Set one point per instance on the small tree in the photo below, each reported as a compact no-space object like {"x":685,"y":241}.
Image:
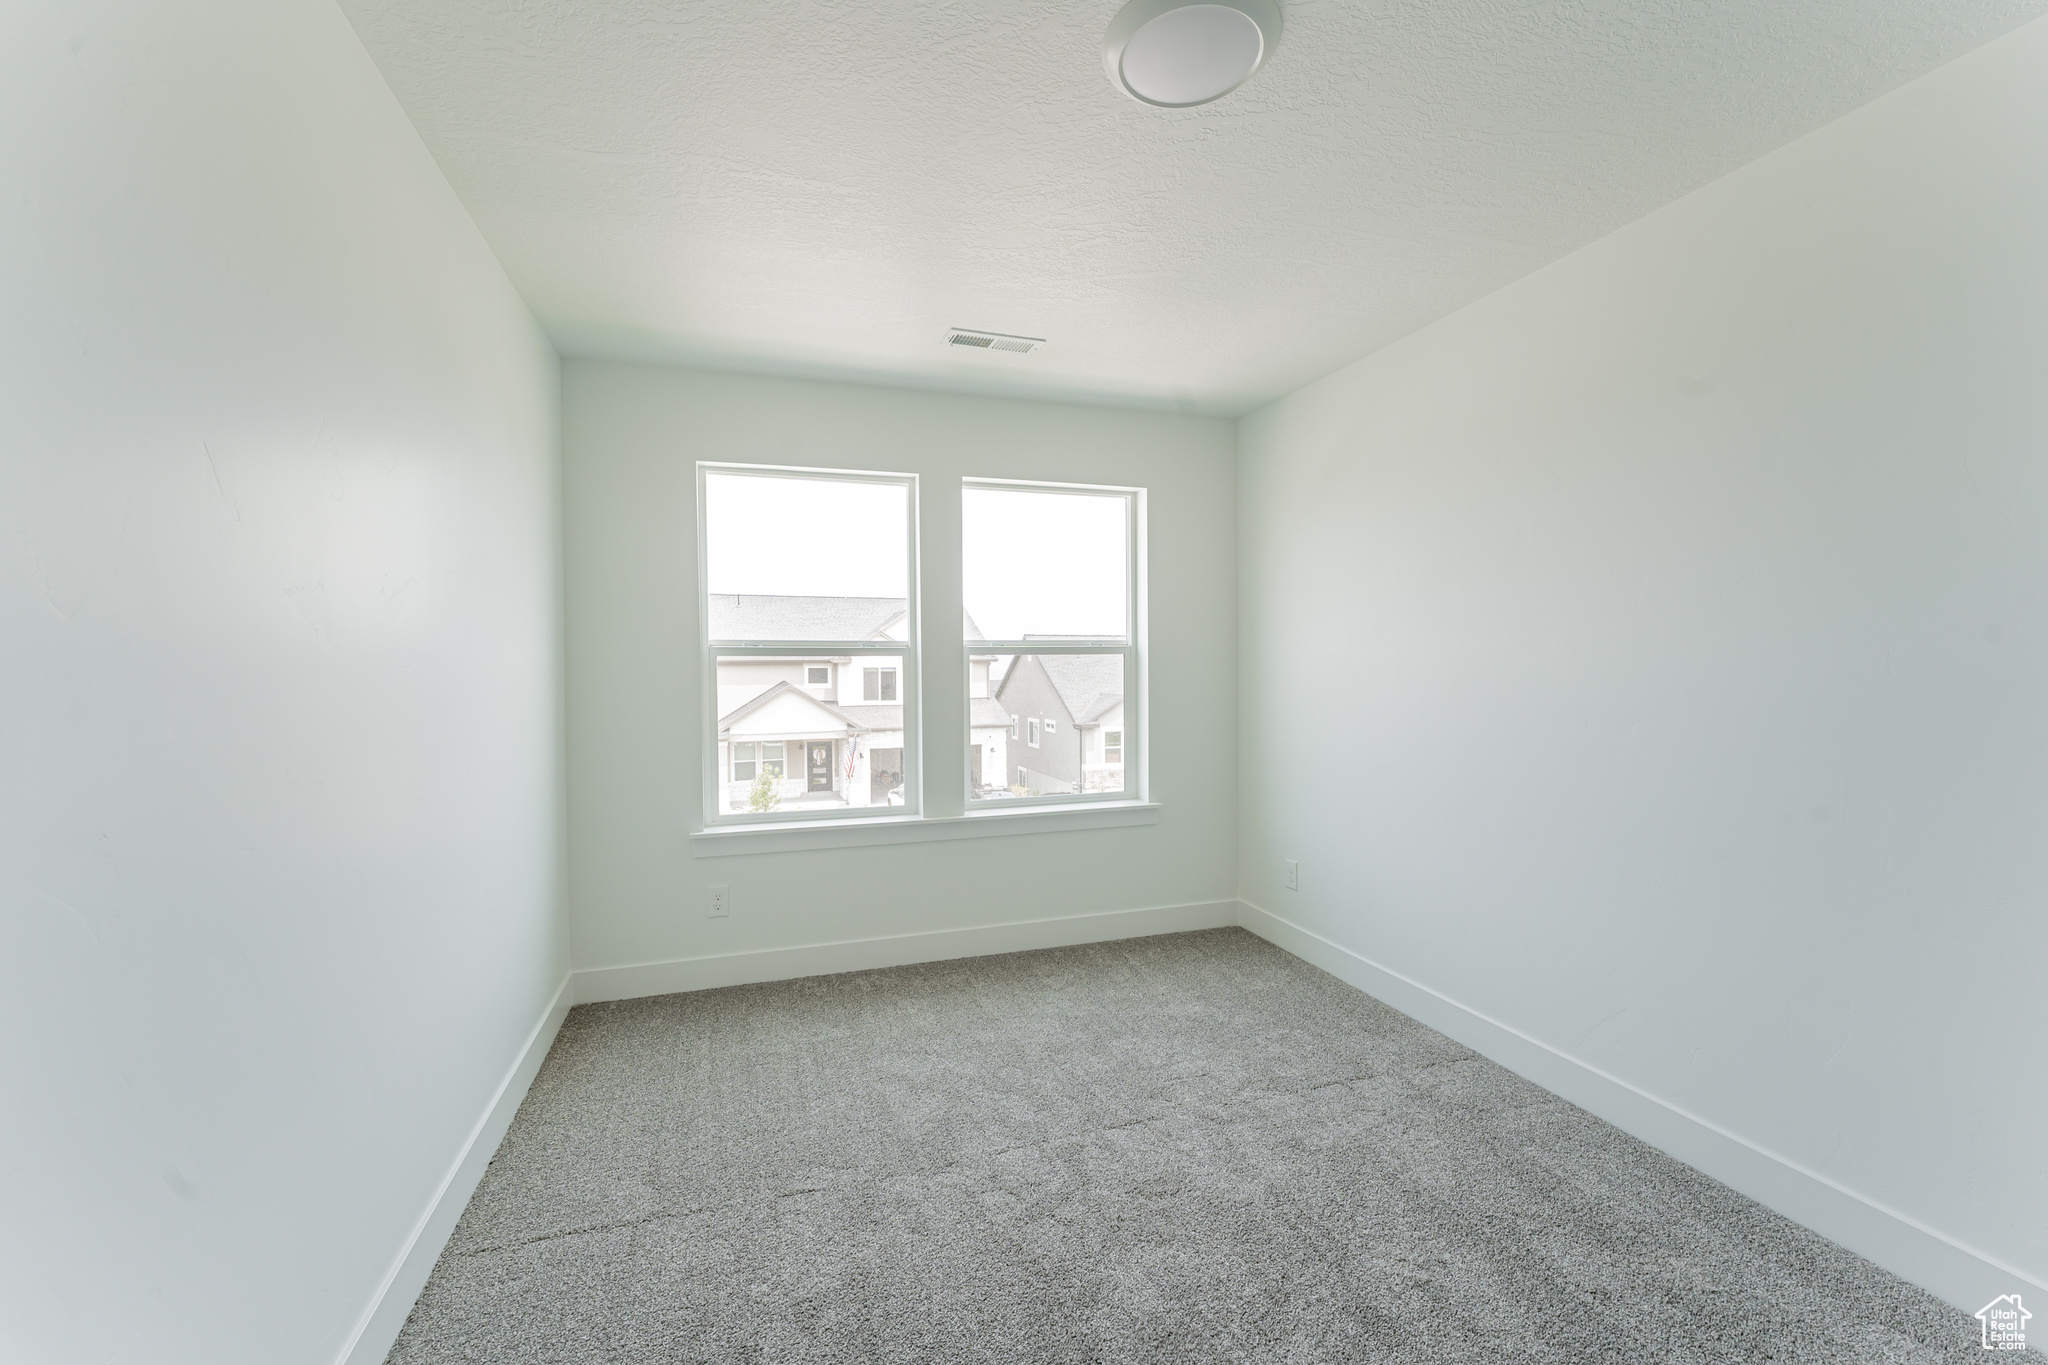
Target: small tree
{"x":767,"y":792}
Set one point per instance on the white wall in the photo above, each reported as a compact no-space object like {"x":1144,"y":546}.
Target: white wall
{"x":278,"y":681}
{"x":1680,"y":616}
{"x":631,"y":437}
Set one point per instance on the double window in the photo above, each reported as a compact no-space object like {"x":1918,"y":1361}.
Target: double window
{"x":814,"y":647}
{"x":750,"y":757}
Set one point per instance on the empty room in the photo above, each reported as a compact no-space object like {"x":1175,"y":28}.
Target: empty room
{"x":1028,"y":681}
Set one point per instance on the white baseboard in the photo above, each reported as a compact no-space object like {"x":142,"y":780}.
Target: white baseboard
{"x":379,"y":1325}
{"x":897,"y":950}
{"x":1906,"y":1247}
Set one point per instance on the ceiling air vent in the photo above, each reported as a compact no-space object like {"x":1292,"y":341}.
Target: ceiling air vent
{"x":992,"y":341}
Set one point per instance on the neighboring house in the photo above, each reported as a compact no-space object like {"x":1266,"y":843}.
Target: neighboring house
{"x":989,"y":731}
{"x":828,"y":728}
{"x":1067,"y":722}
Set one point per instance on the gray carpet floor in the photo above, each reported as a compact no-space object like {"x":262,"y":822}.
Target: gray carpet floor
{"x":1185,"y":1148}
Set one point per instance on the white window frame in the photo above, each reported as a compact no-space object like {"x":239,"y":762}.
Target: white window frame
{"x":1132,"y":647}
{"x":902,"y":653}
{"x":1107,"y":746}
{"x":878,"y":699}
{"x":732,"y":760}
{"x":826,"y":669}
{"x":1031,"y":728}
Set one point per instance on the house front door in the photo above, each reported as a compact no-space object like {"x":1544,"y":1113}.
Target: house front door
{"x":820,"y":765}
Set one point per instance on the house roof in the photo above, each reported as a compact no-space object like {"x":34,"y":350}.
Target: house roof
{"x":762,"y":616}
{"x":1089,"y":684}
{"x":983,"y":714}
{"x":754,"y":616}
{"x":841,"y":714}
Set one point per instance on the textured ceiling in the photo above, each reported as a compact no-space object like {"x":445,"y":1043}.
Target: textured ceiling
{"x":823,"y":186}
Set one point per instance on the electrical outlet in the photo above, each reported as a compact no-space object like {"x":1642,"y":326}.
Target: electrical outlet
{"x":717,"y":902}
{"x":1293,"y":874}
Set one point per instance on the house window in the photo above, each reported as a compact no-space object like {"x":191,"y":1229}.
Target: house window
{"x":747,"y":753}
{"x":1051,"y":577}
{"x":799,"y":564}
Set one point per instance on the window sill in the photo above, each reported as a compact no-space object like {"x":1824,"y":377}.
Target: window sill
{"x":727,"y":840}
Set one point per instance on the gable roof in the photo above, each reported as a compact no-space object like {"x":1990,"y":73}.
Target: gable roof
{"x":769,"y":616}
{"x":1088,"y":684}
{"x":983,"y":713}
{"x":748,"y":708}
{"x":750,"y":616}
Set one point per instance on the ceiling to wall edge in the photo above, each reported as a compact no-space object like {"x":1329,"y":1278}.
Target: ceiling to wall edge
{"x":580,"y":342}
{"x":592,"y":343}
{"x":573,"y":341}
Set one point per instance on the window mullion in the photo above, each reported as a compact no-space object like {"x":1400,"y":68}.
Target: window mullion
{"x":940,"y":683}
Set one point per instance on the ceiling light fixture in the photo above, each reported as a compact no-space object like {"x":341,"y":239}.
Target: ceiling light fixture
{"x":1176,"y":53}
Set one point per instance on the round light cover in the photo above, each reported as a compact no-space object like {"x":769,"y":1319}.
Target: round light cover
{"x":1177,"y":53}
